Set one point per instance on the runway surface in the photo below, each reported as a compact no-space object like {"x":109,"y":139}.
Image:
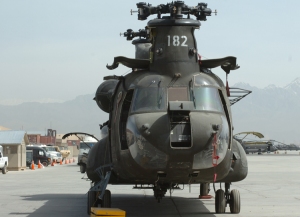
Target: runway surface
{"x":272,"y":188}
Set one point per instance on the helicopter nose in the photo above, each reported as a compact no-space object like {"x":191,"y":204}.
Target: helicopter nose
{"x":157,"y":135}
{"x":203,"y":136}
{"x":203,"y":126}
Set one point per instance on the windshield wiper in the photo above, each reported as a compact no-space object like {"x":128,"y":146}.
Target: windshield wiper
{"x":193,"y":95}
{"x":159,"y":95}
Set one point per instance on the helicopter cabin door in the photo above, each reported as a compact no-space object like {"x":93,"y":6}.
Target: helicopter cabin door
{"x":180,"y":135}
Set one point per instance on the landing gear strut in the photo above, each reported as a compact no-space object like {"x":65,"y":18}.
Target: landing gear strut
{"x":223,"y":198}
{"x":159,"y":192}
{"x":204,"y":189}
{"x":98,"y":195}
{"x":82,"y":168}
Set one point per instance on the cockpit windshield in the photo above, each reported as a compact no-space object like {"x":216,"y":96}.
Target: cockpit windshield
{"x":149,"y":99}
{"x":206,"y":99}
{"x":49,"y":148}
{"x":83,"y":145}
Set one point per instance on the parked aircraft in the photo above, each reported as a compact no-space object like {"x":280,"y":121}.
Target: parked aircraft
{"x":290,"y":147}
{"x":170,"y":119}
{"x":255,"y":146}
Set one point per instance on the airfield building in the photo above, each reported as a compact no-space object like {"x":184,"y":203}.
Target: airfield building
{"x":14,"y":147}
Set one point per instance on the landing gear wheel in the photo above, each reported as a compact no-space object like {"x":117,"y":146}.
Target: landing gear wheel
{"x":235,"y":201}
{"x":4,"y":170}
{"x":91,"y":201}
{"x":204,"y":189}
{"x":220,"y":201}
{"x":82,"y":168}
{"x":106,"y":201}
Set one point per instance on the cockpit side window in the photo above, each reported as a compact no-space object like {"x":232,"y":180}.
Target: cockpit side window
{"x":149,"y":99}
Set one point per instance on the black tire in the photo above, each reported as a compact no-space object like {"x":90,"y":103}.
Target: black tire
{"x":235,"y":201}
{"x":4,"y":169}
{"x":91,"y":201}
{"x":106,"y":201}
{"x":220,"y":201}
{"x":45,"y":163}
{"x":204,"y":189}
{"x":82,"y":168}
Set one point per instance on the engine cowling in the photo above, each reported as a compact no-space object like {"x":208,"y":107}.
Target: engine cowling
{"x":104,"y":93}
{"x":142,"y":47}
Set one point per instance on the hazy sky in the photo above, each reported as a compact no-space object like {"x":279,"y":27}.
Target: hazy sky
{"x":58,"y":49}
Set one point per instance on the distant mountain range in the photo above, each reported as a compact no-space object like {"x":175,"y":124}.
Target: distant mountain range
{"x":80,"y":114}
{"x":273,"y":111}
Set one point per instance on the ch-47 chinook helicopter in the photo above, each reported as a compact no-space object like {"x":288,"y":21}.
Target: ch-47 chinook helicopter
{"x":170,"y":119}
{"x":255,"y":146}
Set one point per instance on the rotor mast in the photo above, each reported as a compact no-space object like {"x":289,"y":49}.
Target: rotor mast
{"x":174,"y":47}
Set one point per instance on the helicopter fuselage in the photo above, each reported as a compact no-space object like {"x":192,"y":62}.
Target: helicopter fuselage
{"x":172,"y":121}
{"x":165,"y":127}
{"x":169,"y":120}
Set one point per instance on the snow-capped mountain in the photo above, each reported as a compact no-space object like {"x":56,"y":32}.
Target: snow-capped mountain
{"x":274,"y":111}
{"x":294,"y":86}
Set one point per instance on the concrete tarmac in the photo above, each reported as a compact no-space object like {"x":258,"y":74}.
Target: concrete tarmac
{"x":272,"y":188}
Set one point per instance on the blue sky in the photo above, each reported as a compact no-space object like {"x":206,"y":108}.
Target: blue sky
{"x":58,"y":49}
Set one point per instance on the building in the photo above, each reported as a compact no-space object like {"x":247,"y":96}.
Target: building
{"x":14,"y":147}
{"x":38,"y":138}
{"x":72,"y":142}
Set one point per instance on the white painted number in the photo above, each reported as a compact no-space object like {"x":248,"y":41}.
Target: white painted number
{"x":185,"y":39}
{"x":176,"y":41}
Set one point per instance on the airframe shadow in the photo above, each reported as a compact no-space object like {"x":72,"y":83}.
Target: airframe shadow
{"x":139,"y":205}
{"x":66,"y":205}
{"x":135,"y":205}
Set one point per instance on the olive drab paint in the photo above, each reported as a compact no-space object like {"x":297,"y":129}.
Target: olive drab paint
{"x":169,"y":119}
